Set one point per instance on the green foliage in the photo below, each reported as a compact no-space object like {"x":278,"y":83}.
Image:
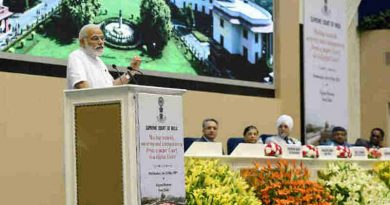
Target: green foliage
{"x":20,"y":5}
{"x":155,"y":25}
{"x":265,"y":62}
{"x":185,"y":15}
{"x":77,"y":13}
{"x":266,"y":4}
{"x":378,"y":21}
{"x":31,"y":36}
{"x":21,"y":44}
{"x":188,"y":16}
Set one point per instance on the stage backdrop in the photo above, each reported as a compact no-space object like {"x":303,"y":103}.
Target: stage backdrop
{"x":325,"y":68}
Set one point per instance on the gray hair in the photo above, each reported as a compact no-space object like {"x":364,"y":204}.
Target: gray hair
{"x":84,"y":29}
{"x":208,"y":120}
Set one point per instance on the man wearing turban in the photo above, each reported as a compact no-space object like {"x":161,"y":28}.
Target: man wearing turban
{"x":284,"y":124}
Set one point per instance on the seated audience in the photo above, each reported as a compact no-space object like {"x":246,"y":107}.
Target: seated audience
{"x":210,"y":130}
{"x":339,"y":137}
{"x":251,"y":135}
{"x":376,"y":139}
{"x":284,"y":124}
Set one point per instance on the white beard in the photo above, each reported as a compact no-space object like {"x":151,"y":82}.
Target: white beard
{"x":283,"y":135}
{"x":93,"y":52}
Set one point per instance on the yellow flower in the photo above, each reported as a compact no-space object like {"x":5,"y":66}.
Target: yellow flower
{"x":210,"y":183}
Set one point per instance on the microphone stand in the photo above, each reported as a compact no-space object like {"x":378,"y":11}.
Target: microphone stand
{"x":119,"y":75}
{"x":131,"y":76}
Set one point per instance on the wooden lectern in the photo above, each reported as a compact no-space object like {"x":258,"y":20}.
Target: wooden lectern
{"x":124,"y":145}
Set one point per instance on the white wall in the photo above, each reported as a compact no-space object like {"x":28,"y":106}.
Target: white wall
{"x":252,"y":46}
{"x":200,"y":3}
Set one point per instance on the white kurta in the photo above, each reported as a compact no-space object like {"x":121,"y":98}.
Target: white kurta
{"x":84,"y":67}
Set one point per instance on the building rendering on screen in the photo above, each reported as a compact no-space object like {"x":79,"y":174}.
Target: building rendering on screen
{"x":240,"y":27}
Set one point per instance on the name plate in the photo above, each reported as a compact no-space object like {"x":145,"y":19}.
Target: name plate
{"x":292,"y":151}
{"x":249,"y":149}
{"x":327,"y":152}
{"x":385,"y":153}
{"x":204,"y":149}
{"x":359,"y":152}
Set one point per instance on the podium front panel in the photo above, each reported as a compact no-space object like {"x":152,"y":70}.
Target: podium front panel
{"x":99,"y":154}
{"x":101,"y":144}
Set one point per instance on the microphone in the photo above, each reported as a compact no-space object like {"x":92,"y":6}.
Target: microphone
{"x":129,"y":68}
{"x":117,"y":72}
{"x":132,"y":77}
{"x":132,"y":69}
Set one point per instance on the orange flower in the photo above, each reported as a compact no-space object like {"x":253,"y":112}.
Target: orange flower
{"x":285,"y":183}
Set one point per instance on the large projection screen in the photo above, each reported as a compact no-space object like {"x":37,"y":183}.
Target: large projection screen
{"x":226,"y":42}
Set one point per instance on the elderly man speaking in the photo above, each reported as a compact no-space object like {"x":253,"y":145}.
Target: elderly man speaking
{"x":284,"y":124}
{"x":85,"y":68}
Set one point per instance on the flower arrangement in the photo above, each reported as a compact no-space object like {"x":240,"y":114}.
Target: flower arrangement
{"x":272,"y":149}
{"x":382,"y":170}
{"x":343,"y":152}
{"x":286,"y":184}
{"x":374,"y":153}
{"x":210,"y":183}
{"x":350,"y":184}
{"x":310,"y":151}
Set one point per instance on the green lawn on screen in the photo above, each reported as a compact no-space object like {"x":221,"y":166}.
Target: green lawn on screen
{"x":128,"y":7}
{"x":172,"y":59}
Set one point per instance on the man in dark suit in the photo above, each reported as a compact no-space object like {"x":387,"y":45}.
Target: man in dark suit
{"x":376,"y":139}
{"x":210,"y":130}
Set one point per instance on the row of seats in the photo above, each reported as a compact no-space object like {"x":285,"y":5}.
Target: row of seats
{"x":231,"y":143}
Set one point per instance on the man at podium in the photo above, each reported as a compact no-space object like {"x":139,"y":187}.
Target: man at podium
{"x":85,"y":69}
